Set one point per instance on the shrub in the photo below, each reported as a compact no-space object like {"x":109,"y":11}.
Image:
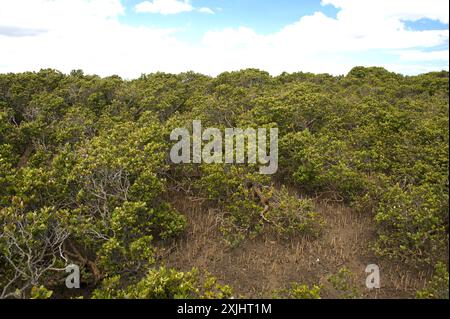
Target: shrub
{"x":165,"y":283}
{"x":437,"y":287}
{"x":292,"y":216}
{"x":250,"y":205}
{"x":412,"y":225}
{"x":30,"y":245}
{"x":298,"y":291}
{"x":343,"y":282}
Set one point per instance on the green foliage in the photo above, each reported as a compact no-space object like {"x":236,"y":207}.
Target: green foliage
{"x":118,"y":191}
{"x":84,"y":165}
{"x":412,"y":225}
{"x":291,"y":215}
{"x":343,"y":282}
{"x":40,"y":293}
{"x":30,"y":244}
{"x":298,"y":291}
{"x":165,"y":283}
{"x":250,"y":204}
{"x":438,"y":287}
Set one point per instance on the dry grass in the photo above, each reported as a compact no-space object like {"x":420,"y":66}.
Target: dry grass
{"x":259,"y":266}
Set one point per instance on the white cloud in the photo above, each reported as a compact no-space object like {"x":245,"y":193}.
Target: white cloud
{"x":56,"y":14}
{"x":87,"y":34}
{"x":164,"y":6}
{"x":205,"y":10}
{"x":391,"y":9}
{"x":416,"y":55}
{"x":319,"y":43}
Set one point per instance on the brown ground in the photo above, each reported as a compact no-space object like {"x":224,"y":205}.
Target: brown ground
{"x":259,"y":266}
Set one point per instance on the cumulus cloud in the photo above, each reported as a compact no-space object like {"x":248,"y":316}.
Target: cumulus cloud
{"x":382,"y":10}
{"x":57,"y":14}
{"x":416,"y":55}
{"x":19,"y":32}
{"x":164,"y":6}
{"x":205,"y":10}
{"x":319,"y":43}
{"x":88,"y":35}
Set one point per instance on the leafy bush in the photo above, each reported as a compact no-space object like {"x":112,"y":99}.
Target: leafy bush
{"x":412,"y":225}
{"x":165,"y":283}
{"x":40,"y":292}
{"x":298,"y":291}
{"x":250,"y":205}
{"x":30,"y":244}
{"x":438,"y":286}
{"x":87,"y":157}
{"x":343,"y":282}
{"x":291,"y":215}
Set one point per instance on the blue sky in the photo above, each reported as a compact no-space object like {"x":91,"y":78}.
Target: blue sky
{"x":130,"y":37}
{"x":262,"y":15}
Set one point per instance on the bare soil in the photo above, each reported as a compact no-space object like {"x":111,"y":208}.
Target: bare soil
{"x":262,"y":265}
